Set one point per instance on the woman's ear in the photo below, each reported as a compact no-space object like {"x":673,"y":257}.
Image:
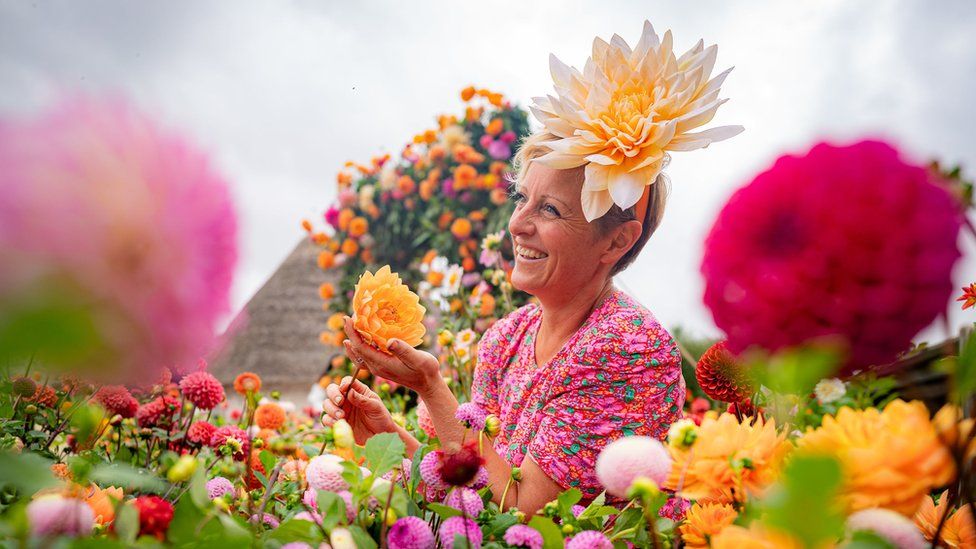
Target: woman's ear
{"x":623,"y":238}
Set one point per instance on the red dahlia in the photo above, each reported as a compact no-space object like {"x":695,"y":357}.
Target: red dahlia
{"x":722,"y":376}
{"x":202,"y":390}
{"x":158,"y":412}
{"x":460,"y":467}
{"x":201,"y":433}
{"x":223,"y":434}
{"x":116,"y":399}
{"x":155,"y":514}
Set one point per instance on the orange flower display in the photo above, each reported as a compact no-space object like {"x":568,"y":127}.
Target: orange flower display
{"x":269,"y":416}
{"x":729,"y":460}
{"x":384,"y":308}
{"x":703,"y":521}
{"x":248,"y":382}
{"x":890,"y":458}
{"x":102,"y":502}
{"x":959,"y":529}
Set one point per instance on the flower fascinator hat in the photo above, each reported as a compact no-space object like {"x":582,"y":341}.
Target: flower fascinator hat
{"x":622,"y":115}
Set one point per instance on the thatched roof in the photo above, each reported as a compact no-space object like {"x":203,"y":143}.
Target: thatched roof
{"x":276,"y":335}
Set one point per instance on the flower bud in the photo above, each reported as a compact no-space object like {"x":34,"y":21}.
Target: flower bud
{"x":643,"y":488}
{"x":24,"y":387}
{"x":516,"y":474}
{"x":258,"y":443}
{"x":182,"y":470}
{"x":342,"y":433}
{"x":221,"y":503}
{"x":30,"y":409}
{"x":551,"y":509}
{"x":276,"y":395}
{"x":391,"y":517}
{"x":493,"y":425}
{"x":567,"y":529}
{"x":682,"y":433}
{"x":519,"y":516}
{"x":341,"y":538}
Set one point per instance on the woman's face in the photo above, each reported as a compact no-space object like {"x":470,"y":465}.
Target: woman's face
{"x":557,"y":251}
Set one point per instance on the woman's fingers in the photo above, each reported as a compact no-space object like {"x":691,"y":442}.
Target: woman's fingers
{"x":332,"y":410}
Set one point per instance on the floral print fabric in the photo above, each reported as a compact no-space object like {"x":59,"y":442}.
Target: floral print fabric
{"x":618,"y":375}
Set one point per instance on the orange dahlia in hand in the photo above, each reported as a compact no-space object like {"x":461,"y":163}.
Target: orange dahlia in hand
{"x":729,"y":460}
{"x":384,"y":308}
{"x":890,"y":458}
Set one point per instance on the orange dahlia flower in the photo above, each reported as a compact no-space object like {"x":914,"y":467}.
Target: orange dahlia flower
{"x":326,"y":291}
{"x":102,"y":502}
{"x":358,"y":226}
{"x":754,"y":537}
{"x":729,"y":460}
{"x":704,"y":520}
{"x":345,"y":217}
{"x":269,"y":416}
{"x":350,"y":247}
{"x":384,"y":308}
{"x":461,"y":228}
{"x":959,"y":529}
{"x":890,"y":458}
{"x":248,"y":382}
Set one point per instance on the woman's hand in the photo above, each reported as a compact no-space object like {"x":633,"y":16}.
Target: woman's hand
{"x":361,"y":408}
{"x":416,"y":370}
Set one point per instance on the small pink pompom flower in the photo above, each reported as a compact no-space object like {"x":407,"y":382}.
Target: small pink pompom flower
{"x":430,"y":471}
{"x":521,"y":535}
{"x":325,"y":473}
{"x":894,"y":527}
{"x":589,"y":539}
{"x":625,"y":459}
{"x":56,"y":515}
{"x":465,"y":500}
{"x":202,"y":390}
{"x":219,"y":487}
{"x":846,"y":241}
{"x":410,"y":533}
{"x":460,"y":526}
{"x":423,"y":420}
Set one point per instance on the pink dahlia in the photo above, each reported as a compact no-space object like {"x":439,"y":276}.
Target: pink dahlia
{"x":625,"y":459}
{"x":56,"y":515}
{"x":465,"y":500}
{"x":589,"y":539}
{"x":521,"y":535}
{"x":480,"y":479}
{"x":430,"y":471}
{"x":201,"y":433}
{"x":844,"y":241}
{"x":722,"y":376}
{"x":158,"y":412}
{"x":219,"y":487}
{"x":235,"y":438}
{"x":310,"y":498}
{"x":460,"y":526}
{"x":116,"y":399}
{"x":325,"y":473}
{"x":202,"y":390}
{"x":471,"y":415}
{"x":423,"y":420}
{"x":410,"y":533}
{"x":897,"y":529}
{"x":126,"y":222}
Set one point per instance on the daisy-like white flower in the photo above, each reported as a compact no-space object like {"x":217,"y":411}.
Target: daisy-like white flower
{"x":452,"y":281}
{"x":624,"y":112}
{"x":465,"y":338}
{"x":463,"y":354}
{"x":829,"y":390}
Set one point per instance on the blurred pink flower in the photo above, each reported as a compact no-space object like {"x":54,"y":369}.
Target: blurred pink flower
{"x":844,"y":241}
{"x":130,"y":219}
{"x":53,"y":515}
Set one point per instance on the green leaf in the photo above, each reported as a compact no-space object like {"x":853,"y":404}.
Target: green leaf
{"x":235,"y":533}
{"x":384,"y":452}
{"x":567,"y":500}
{"x":805,"y":502}
{"x":132,"y":478}
{"x":362,"y":539}
{"x":552,"y":537}
{"x":198,"y":489}
{"x":863,"y":539}
{"x":268,"y":460}
{"x":297,"y":530}
{"x":331,"y":507}
{"x":186,"y":525}
{"x":28,"y":472}
{"x":797,"y":370}
{"x":126,"y":522}
{"x":444,"y":511}
{"x":964,"y":380}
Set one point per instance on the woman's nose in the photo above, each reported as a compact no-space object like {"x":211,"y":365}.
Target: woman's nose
{"x":519,"y":223}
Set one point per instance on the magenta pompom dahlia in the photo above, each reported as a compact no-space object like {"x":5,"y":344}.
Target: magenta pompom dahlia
{"x":219,"y":487}
{"x":628,"y":458}
{"x":202,"y":390}
{"x":430,"y":471}
{"x":460,"y":526}
{"x":127,"y":218}
{"x":521,"y":535}
{"x":410,"y":533}
{"x":471,"y":415}
{"x":465,"y":500}
{"x":589,"y":539}
{"x":843,"y":241}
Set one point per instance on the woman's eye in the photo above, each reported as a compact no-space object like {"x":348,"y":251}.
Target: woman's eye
{"x":551,"y":209}
{"x":518,"y":197}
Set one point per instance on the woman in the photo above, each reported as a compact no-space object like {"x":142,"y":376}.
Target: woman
{"x":583,"y":367}
{"x":587,"y":364}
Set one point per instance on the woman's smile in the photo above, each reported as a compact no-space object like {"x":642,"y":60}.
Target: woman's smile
{"x":529,"y":254}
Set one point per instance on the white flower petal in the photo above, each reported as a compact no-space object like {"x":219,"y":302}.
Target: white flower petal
{"x":561,"y":161}
{"x":626,"y":188}
{"x":595,"y":204}
{"x":595,"y":177}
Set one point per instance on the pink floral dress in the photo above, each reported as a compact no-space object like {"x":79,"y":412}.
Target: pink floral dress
{"x":618,"y":375}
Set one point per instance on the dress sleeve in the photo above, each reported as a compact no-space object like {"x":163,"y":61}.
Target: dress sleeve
{"x":621,"y":381}
{"x":494,"y":352}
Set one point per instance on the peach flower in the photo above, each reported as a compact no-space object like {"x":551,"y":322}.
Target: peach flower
{"x":384,"y":308}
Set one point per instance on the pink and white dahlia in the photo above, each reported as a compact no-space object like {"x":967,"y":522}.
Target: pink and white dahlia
{"x":460,"y":526}
{"x":847,"y":241}
{"x":56,"y":515}
{"x":121,"y":220}
{"x":626,"y":459}
{"x":325,"y":473}
{"x":894,"y":527}
{"x":465,"y":500}
{"x":430,"y":471}
{"x":236,"y":439}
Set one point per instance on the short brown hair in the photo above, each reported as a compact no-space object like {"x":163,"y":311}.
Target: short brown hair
{"x":535,"y":146}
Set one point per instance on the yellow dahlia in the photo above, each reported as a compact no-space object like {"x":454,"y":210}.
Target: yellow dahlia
{"x":704,"y":520}
{"x":890,"y":458}
{"x":625,"y":110}
{"x":385,"y":308}
{"x":729,"y":460}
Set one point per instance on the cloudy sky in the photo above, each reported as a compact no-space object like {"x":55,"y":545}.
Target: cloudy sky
{"x":282,"y":93}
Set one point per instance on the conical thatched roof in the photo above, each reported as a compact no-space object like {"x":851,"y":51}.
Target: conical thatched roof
{"x":276,"y":335}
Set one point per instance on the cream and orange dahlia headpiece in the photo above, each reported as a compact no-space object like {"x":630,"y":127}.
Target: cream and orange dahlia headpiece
{"x":626,"y":109}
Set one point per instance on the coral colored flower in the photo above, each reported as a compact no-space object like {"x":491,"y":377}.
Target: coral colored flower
{"x":269,"y":416}
{"x":247,"y":382}
{"x":464,"y":176}
{"x":626,"y":459}
{"x":45,"y":396}
{"x":844,"y":241}
{"x":495,"y":127}
{"x":54,"y":515}
{"x":384,"y":308}
{"x":722,"y":376}
{"x":890,"y":458}
{"x":424,"y":421}
{"x":326,"y":259}
{"x":894,"y":528}
{"x":345,"y":217}
{"x":116,"y":399}
{"x":520,"y":535}
{"x":704,"y":520}
{"x":627,"y":108}
{"x":257,"y":466}
{"x":461,"y":228}
{"x":589,"y":539}
{"x":358,"y":227}
{"x":968,"y":296}
{"x":729,"y":460}
{"x":155,"y":514}
{"x":128,"y":219}
{"x":349,"y":247}
{"x":466,"y":528}
{"x":200,"y":433}
{"x":754,"y":537}
{"x":235,"y":438}
{"x":158,"y":412}
{"x":410,"y":533}
{"x":219,"y":487}
{"x":202,"y":390}
{"x":102,"y":502}
{"x":467,"y":93}
{"x":327,"y":291}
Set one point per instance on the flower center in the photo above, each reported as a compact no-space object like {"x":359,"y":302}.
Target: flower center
{"x":389,"y":314}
